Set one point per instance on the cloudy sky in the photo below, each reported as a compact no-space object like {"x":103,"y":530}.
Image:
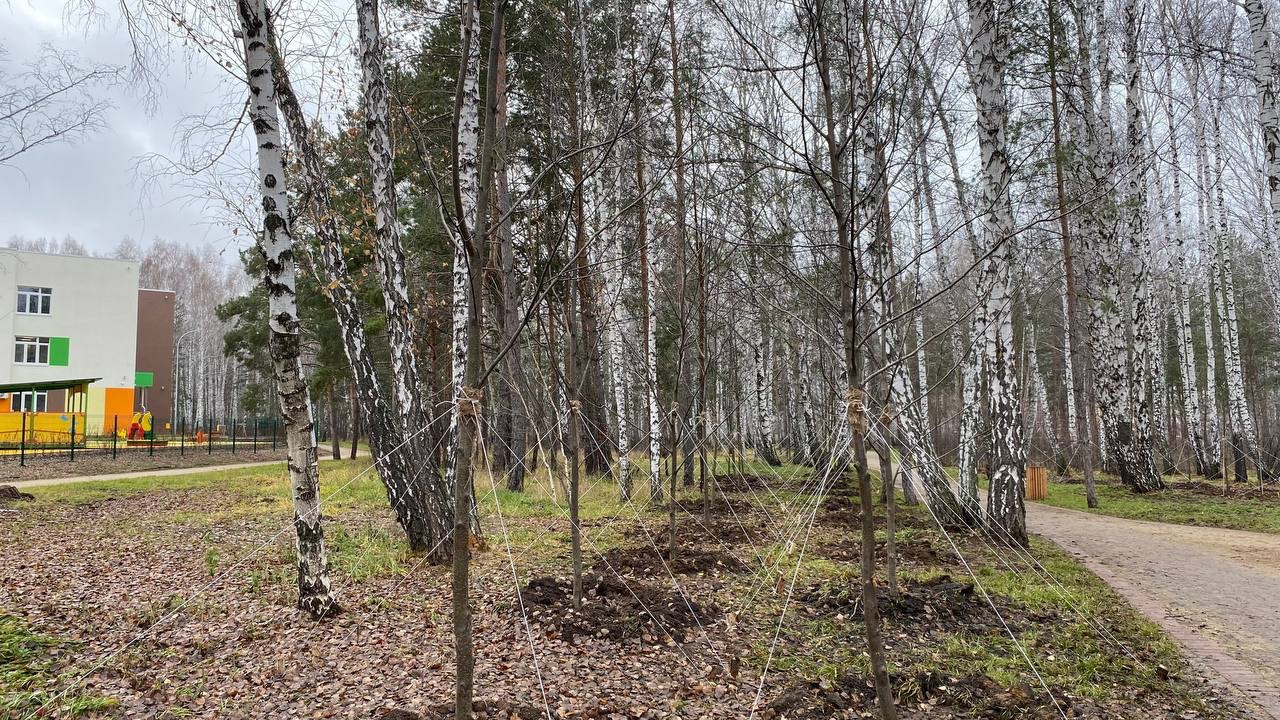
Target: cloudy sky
{"x":92,"y":190}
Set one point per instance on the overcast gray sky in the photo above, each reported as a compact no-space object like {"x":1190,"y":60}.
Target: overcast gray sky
{"x":89,"y":190}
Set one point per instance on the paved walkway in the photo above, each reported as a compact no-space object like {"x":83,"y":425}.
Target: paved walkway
{"x":1214,"y":591}
{"x":21,"y":484}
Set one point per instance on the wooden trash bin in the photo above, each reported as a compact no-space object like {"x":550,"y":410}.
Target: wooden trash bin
{"x":1037,"y":482}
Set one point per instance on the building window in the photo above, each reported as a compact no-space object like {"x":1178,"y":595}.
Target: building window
{"x":35,"y":300}
{"x":29,"y":350}
{"x":31,"y":401}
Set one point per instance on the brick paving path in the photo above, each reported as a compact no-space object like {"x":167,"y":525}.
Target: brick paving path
{"x":1213,"y":591}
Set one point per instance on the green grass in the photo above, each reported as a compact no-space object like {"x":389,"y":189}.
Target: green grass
{"x":1053,"y":621}
{"x":26,"y":674}
{"x":1180,"y":507}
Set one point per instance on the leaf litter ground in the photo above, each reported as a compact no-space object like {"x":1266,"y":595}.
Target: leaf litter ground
{"x":657,"y":638}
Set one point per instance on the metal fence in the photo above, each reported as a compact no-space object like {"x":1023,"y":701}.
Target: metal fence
{"x":27,"y":437}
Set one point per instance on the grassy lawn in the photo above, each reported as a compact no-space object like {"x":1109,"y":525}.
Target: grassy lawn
{"x":26,"y":670}
{"x":1175,"y":505}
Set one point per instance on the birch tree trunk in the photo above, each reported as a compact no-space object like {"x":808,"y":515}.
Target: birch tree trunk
{"x":1205,"y":461}
{"x":1244,"y":440}
{"x":419,"y":501}
{"x":1005,"y":503}
{"x":1137,"y":466}
{"x":1206,"y":222}
{"x":275,"y":244}
{"x":650,"y":333}
{"x":389,"y":247}
{"x":763,"y":394}
{"x":904,"y":410}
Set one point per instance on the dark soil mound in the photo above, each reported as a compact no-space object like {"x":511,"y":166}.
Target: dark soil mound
{"x":930,"y":695}
{"x":940,"y":604}
{"x":729,"y":531}
{"x":9,"y":492}
{"x":916,"y":551}
{"x":747,"y":483}
{"x":1237,"y":491}
{"x":719,"y":506}
{"x":657,"y":563}
{"x":614,"y":609}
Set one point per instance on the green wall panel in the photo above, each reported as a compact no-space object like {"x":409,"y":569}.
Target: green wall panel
{"x":59,"y":351}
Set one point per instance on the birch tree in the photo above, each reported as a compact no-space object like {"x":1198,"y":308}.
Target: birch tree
{"x":1005,"y":508}
{"x":276,"y":247}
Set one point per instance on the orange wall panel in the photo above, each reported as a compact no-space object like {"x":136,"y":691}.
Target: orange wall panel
{"x":118,"y":401}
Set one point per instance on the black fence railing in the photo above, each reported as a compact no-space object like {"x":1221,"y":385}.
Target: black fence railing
{"x":30,"y":437}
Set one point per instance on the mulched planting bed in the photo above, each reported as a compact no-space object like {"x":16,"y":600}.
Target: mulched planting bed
{"x":719,"y":506}
{"x":1233,"y":491}
{"x":931,"y":695}
{"x":915,"y":552}
{"x":656,"y":563}
{"x":717,"y":532}
{"x":939,"y":605}
{"x":756,"y":483}
{"x":614,"y":609}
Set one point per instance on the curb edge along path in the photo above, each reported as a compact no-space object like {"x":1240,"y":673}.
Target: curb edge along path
{"x":1263,"y":696}
{"x":140,"y":474}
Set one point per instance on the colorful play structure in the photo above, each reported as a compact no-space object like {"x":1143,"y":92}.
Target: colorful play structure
{"x":45,"y":428}
{"x":56,"y":428}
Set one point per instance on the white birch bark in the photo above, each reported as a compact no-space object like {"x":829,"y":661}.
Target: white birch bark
{"x":617,"y":361}
{"x":1268,"y":116}
{"x":1141,"y":460}
{"x":389,"y":246}
{"x":315,"y":595}
{"x":650,"y":343}
{"x":967,"y":462}
{"x":1206,"y":222}
{"x":1005,"y":503}
{"x":917,"y":300}
{"x":1069,"y":371}
{"x":1244,"y":437}
{"x":809,"y":433}
{"x":1186,"y":350}
{"x":467,"y":181}
{"x":763,"y":394}
{"x":910,"y":430}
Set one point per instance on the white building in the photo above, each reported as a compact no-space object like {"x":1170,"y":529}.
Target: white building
{"x":64,"y":318}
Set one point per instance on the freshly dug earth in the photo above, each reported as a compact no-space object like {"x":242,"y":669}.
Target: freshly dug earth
{"x":934,"y":696}
{"x":657,"y":563}
{"x":614,"y":609}
{"x":1232,"y":491}
{"x":939,"y":605}
{"x":719,"y":532}
{"x":916,"y":552}
{"x":9,"y":493}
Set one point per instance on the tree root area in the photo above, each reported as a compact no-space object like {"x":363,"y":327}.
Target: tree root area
{"x":658,"y":563}
{"x":937,"y":606}
{"x":614,"y":609}
{"x":931,"y":695}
